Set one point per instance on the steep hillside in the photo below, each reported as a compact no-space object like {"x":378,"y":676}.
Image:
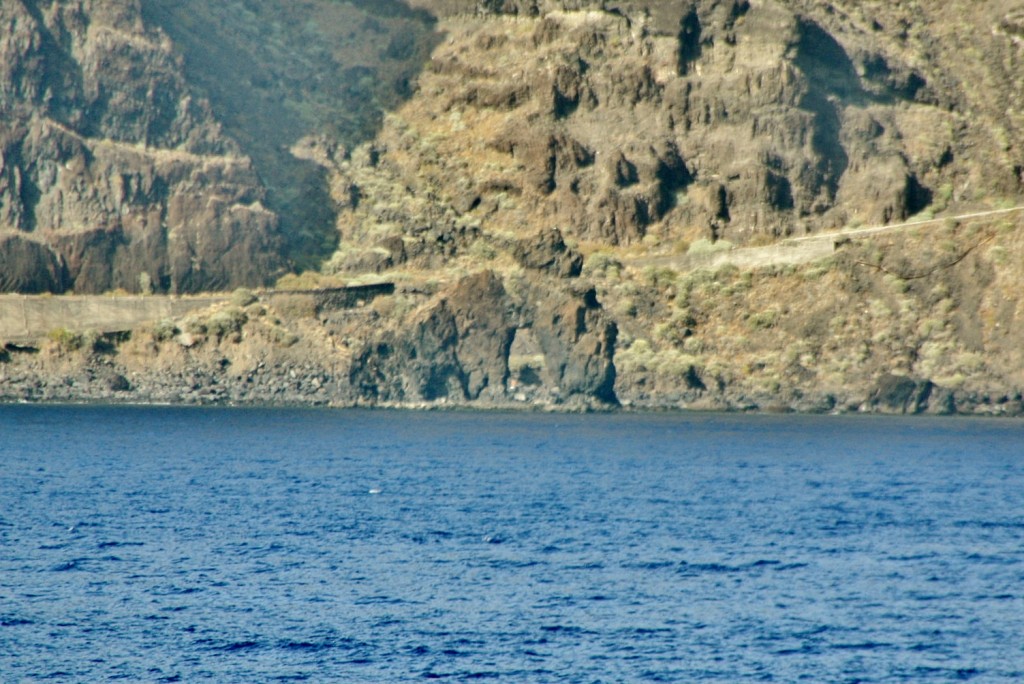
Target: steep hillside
{"x":561,"y":191}
{"x":674,"y":122}
{"x":147,"y":145}
{"x":275,"y":72}
{"x":112,"y":175}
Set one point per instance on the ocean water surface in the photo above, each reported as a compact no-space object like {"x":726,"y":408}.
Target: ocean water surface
{"x":192,"y":545}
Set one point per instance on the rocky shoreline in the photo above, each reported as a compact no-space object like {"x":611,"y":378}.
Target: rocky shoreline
{"x":103,"y":381}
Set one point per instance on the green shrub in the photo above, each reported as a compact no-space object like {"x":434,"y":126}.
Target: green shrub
{"x":706,"y":246}
{"x":283,"y":337}
{"x":602,"y":265}
{"x":145,"y":283}
{"x":243,"y":297}
{"x":226,"y":322}
{"x":676,"y":329}
{"x":66,"y":340}
{"x":660,"y":278}
{"x":294,"y":305}
{"x":762,"y":320}
{"x":482,"y":250}
{"x":165,"y":330}
{"x":194,"y":326}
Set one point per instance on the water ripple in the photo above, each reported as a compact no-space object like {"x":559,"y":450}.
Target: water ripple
{"x":245,"y":546}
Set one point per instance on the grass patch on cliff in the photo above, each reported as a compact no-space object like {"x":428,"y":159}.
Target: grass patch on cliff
{"x":69,"y":341}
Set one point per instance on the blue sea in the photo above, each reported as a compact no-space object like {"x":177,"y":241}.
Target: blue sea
{"x":230,"y":545}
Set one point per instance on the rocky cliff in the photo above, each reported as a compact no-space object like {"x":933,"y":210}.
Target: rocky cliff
{"x":111,"y":174}
{"x":144,"y":146}
{"x":542,"y":179}
{"x":665,"y":123}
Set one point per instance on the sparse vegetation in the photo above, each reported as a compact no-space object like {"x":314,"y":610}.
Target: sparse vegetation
{"x":706,"y":246}
{"x":68,"y":341}
{"x":227,"y":323}
{"x":165,"y":330}
{"x":243,"y":297}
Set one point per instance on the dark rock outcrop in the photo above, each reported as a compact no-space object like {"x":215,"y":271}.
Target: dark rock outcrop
{"x":547,"y":252}
{"x":578,"y":341}
{"x":457,"y":347}
{"x":29,"y":266}
{"x":900,"y":394}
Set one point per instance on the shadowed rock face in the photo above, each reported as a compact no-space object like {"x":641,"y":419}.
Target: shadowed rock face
{"x":28,"y":266}
{"x":296,"y":84}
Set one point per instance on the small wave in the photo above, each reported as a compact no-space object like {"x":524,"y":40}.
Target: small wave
{"x":511,"y":563}
{"x":692,"y":569}
{"x":596,"y":565}
{"x":914,"y":557}
{"x":790,"y":566}
{"x":562,"y":629}
{"x":379,"y":601}
{"x":227,"y":647}
{"x":807,"y":649}
{"x":994,"y":597}
{"x":649,"y":565}
{"x":960,"y":674}
{"x":988,"y":559}
{"x":991,"y":524}
{"x":686,"y":568}
{"x":116,"y":544}
{"x":308,"y":646}
{"x":647,"y":631}
{"x":861,"y":646}
{"x":7,"y":621}
{"x":176,"y":591}
{"x":68,"y":566}
{"x":480,"y":675}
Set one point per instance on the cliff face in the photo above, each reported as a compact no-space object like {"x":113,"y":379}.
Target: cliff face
{"x":149,"y":144}
{"x":671,"y":122}
{"x":111,"y":174}
{"x":541,"y":179}
{"x":127,"y":158}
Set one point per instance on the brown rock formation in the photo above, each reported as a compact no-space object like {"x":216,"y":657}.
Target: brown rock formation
{"x":108,"y":161}
{"x":701,"y":118}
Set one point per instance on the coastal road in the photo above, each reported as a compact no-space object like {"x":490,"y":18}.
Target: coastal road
{"x":800,"y":250}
